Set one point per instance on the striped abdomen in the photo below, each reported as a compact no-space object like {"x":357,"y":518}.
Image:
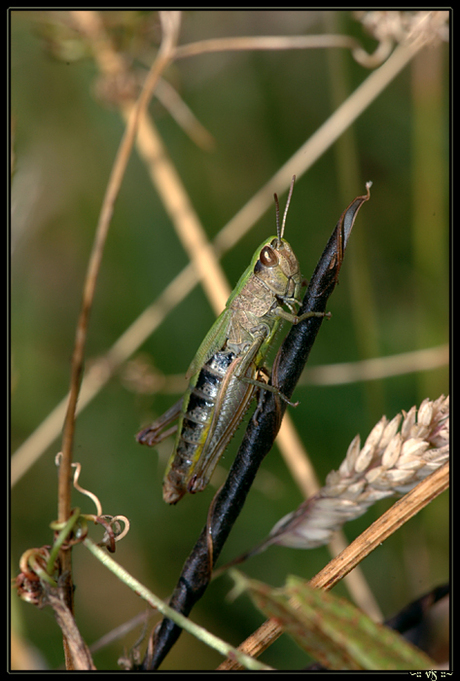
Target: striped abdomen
{"x":212,"y":408}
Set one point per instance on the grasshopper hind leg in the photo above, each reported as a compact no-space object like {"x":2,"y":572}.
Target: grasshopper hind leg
{"x":151,"y":437}
{"x":155,"y":433}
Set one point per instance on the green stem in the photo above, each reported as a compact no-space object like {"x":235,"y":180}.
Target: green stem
{"x":195,"y":629}
{"x":61,"y":538}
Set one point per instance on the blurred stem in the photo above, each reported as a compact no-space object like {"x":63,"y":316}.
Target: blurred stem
{"x":429,"y":215}
{"x":170,"y":26}
{"x":357,"y":275}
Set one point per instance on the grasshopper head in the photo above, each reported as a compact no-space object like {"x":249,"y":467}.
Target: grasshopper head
{"x":277,"y":266}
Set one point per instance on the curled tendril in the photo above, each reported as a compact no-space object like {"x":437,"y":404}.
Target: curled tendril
{"x":121,"y":533}
{"x":86,"y":492}
{"x":37,"y":565}
{"x":29,"y":590}
{"x":113,"y":531}
{"x":78,"y":487}
{"x":34,"y":571}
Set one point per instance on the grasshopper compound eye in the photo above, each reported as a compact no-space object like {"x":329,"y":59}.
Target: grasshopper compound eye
{"x":268,"y":257}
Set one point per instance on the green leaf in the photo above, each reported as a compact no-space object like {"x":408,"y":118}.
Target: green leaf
{"x":332,"y":630}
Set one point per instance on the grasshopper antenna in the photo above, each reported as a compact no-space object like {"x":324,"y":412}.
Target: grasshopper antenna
{"x":277,"y":209}
{"x":280,"y":232}
{"x":291,"y":189}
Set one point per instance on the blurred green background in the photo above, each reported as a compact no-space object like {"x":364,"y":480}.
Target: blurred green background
{"x":393,"y":294}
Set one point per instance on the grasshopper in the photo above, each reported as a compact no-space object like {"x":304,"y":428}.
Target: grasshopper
{"x":228,"y":368}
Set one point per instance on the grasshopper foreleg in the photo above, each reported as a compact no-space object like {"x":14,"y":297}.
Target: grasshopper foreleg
{"x":155,"y":433}
{"x":295,"y":319}
{"x":327,"y":315}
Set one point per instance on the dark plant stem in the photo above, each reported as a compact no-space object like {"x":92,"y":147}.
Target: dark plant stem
{"x":258,"y":440}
